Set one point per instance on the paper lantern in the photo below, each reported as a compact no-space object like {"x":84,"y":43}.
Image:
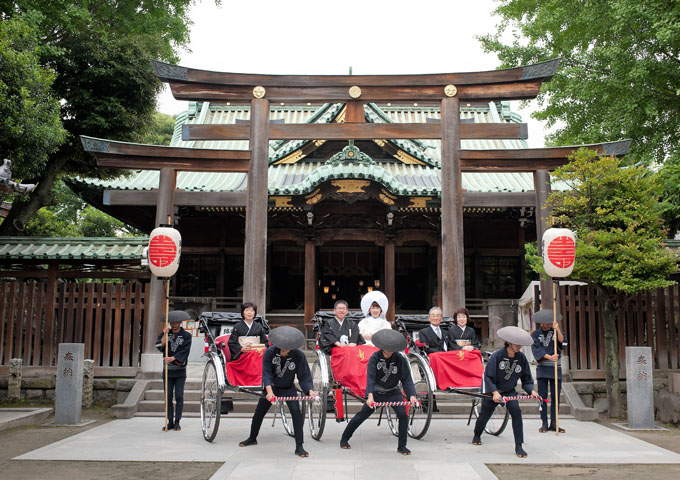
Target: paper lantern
{"x":559,"y":252}
{"x":165,"y":245}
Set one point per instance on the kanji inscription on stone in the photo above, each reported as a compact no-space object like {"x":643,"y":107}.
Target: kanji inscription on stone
{"x":68,"y":402}
{"x":640,"y":387}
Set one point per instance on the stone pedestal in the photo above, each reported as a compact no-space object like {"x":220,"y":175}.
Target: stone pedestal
{"x":68,"y":403}
{"x":151,"y":365}
{"x":14,"y":380}
{"x":502,"y":313}
{"x":88,"y":382}
{"x":640,"y":388}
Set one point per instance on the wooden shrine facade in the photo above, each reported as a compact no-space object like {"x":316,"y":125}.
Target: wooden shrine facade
{"x":357,"y":206}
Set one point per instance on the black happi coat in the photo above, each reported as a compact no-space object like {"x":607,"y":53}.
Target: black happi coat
{"x":434,"y":343}
{"x":331,"y":331}
{"x":179,"y":346}
{"x":280,"y":372}
{"x":384,"y":374}
{"x":502,"y":372}
{"x":457,"y":333}
{"x":544,"y":344}
{"x":241,"y":330}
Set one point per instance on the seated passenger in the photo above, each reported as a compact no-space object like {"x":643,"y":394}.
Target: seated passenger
{"x":339,"y":331}
{"x":247,"y":327}
{"x":374,"y":305}
{"x":433,"y":337}
{"x":461,"y":336}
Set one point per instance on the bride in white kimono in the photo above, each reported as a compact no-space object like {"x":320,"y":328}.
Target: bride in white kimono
{"x":374,"y":305}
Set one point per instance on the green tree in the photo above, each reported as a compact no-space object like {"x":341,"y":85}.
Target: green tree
{"x":161,"y":130}
{"x":620,"y":71}
{"x":100,"y":52}
{"x":30,"y":123}
{"x":615,"y":213}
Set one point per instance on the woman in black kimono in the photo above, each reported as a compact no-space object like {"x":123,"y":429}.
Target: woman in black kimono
{"x":247,"y":327}
{"x":462,"y":336}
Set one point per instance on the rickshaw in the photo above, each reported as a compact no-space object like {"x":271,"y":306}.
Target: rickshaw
{"x":426,"y":382}
{"x":216,"y":326}
{"x":332,"y":390}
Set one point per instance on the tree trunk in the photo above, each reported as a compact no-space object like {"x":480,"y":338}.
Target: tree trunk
{"x":42,"y":196}
{"x":611,"y":349}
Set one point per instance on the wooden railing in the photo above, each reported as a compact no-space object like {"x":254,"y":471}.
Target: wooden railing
{"x":107,"y":317}
{"x":651,"y":319}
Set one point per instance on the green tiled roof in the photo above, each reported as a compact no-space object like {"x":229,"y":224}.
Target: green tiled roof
{"x":76,"y":248}
{"x":397,"y":177}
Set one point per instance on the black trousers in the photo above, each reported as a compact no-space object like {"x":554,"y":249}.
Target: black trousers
{"x":543,"y":385}
{"x":175,"y":387}
{"x":366,"y":412}
{"x":263,"y":406}
{"x":488,"y":406}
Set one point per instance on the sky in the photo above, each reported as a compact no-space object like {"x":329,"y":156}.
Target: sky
{"x":327,"y":37}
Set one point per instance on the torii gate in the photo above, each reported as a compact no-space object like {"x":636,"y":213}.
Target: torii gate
{"x":260,"y":90}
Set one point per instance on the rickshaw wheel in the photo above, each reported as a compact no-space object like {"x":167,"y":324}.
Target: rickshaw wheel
{"x":420,"y":416}
{"x":211,"y":400}
{"x":317,"y":409}
{"x":499,"y":417}
{"x":286,"y":418}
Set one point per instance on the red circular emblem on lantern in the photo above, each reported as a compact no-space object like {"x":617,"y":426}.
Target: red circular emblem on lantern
{"x":162,"y":251}
{"x":561,"y":252}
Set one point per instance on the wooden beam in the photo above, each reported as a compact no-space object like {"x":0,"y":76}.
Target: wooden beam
{"x":357,"y":131}
{"x":310,"y":281}
{"x":167,"y":73}
{"x":532,"y":159}
{"x":154,"y":157}
{"x":499,"y":199}
{"x":182,"y":198}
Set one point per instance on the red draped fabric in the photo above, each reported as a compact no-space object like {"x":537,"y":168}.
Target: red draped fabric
{"x":349,"y":366}
{"x":457,"y":368}
{"x":246,"y":370}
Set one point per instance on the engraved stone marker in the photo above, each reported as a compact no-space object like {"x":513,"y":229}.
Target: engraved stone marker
{"x":68,"y":403}
{"x":640,"y":388}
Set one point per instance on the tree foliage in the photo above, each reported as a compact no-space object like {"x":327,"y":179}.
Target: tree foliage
{"x":620,"y":71}
{"x":615,"y":212}
{"x":30,"y":125}
{"x":100,"y":52}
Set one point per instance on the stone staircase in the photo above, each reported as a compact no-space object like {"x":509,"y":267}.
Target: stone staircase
{"x":449,"y":405}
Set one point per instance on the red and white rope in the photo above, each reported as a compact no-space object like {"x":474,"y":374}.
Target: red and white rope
{"x":523,"y":397}
{"x":291,"y":399}
{"x":392,"y":404}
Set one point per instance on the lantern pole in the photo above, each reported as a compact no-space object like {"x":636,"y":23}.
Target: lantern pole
{"x":556,"y":390}
{"x":165,"y":367}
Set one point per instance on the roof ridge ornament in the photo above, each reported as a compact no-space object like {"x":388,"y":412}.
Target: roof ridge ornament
{"x":350,"y":154}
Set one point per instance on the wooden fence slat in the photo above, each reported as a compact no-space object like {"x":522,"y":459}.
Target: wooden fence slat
{"x":621,"y":329}
{"x":118,"y":325}
{"x":38,"y":319}
{"x":19,"y":320}
{"x":89,"y":305}
{"x":127,"y":324}
{"x":98,"y":330}
{"x":640,"y":325}
{"x":649,"y":317}
{"x":137,"y":323}
{"x":28,"y":323}
{"x":3,"y":319}
{"x":108,"y":325}
{"x":593,"y":353}
{"x":661,"y":333}
{"x":670,"y":320}
{"x":64,"y":324}
{"x":10,"y":324}
{"x":572,"y":333}
{"x":583,"y":326}
{"x":79,"y":301}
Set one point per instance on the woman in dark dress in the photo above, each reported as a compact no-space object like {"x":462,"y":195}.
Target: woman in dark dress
{"x":247,"y":327}
{"x":461,"y":335}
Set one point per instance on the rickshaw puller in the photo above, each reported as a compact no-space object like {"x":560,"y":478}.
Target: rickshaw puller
{"x":280,"y":364}
{"x":386,"y":368}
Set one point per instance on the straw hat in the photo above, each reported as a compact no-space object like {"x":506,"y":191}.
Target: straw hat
{"x":545,"y":316}
{"x":389,"y":340}
{"x":287,"y":338}
{"x":374,"y":296}
{"x":515,"y":335}
{"x":176,"y":316}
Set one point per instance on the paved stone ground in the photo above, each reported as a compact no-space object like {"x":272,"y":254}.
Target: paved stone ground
{"x":445,"y":452}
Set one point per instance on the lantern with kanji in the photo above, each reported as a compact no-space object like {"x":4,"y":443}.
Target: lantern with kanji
{"x":559,"y":251}
{"x":165,"y":245}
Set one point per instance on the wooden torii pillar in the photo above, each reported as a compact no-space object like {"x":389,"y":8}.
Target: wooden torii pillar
{"x":169,"y":160}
